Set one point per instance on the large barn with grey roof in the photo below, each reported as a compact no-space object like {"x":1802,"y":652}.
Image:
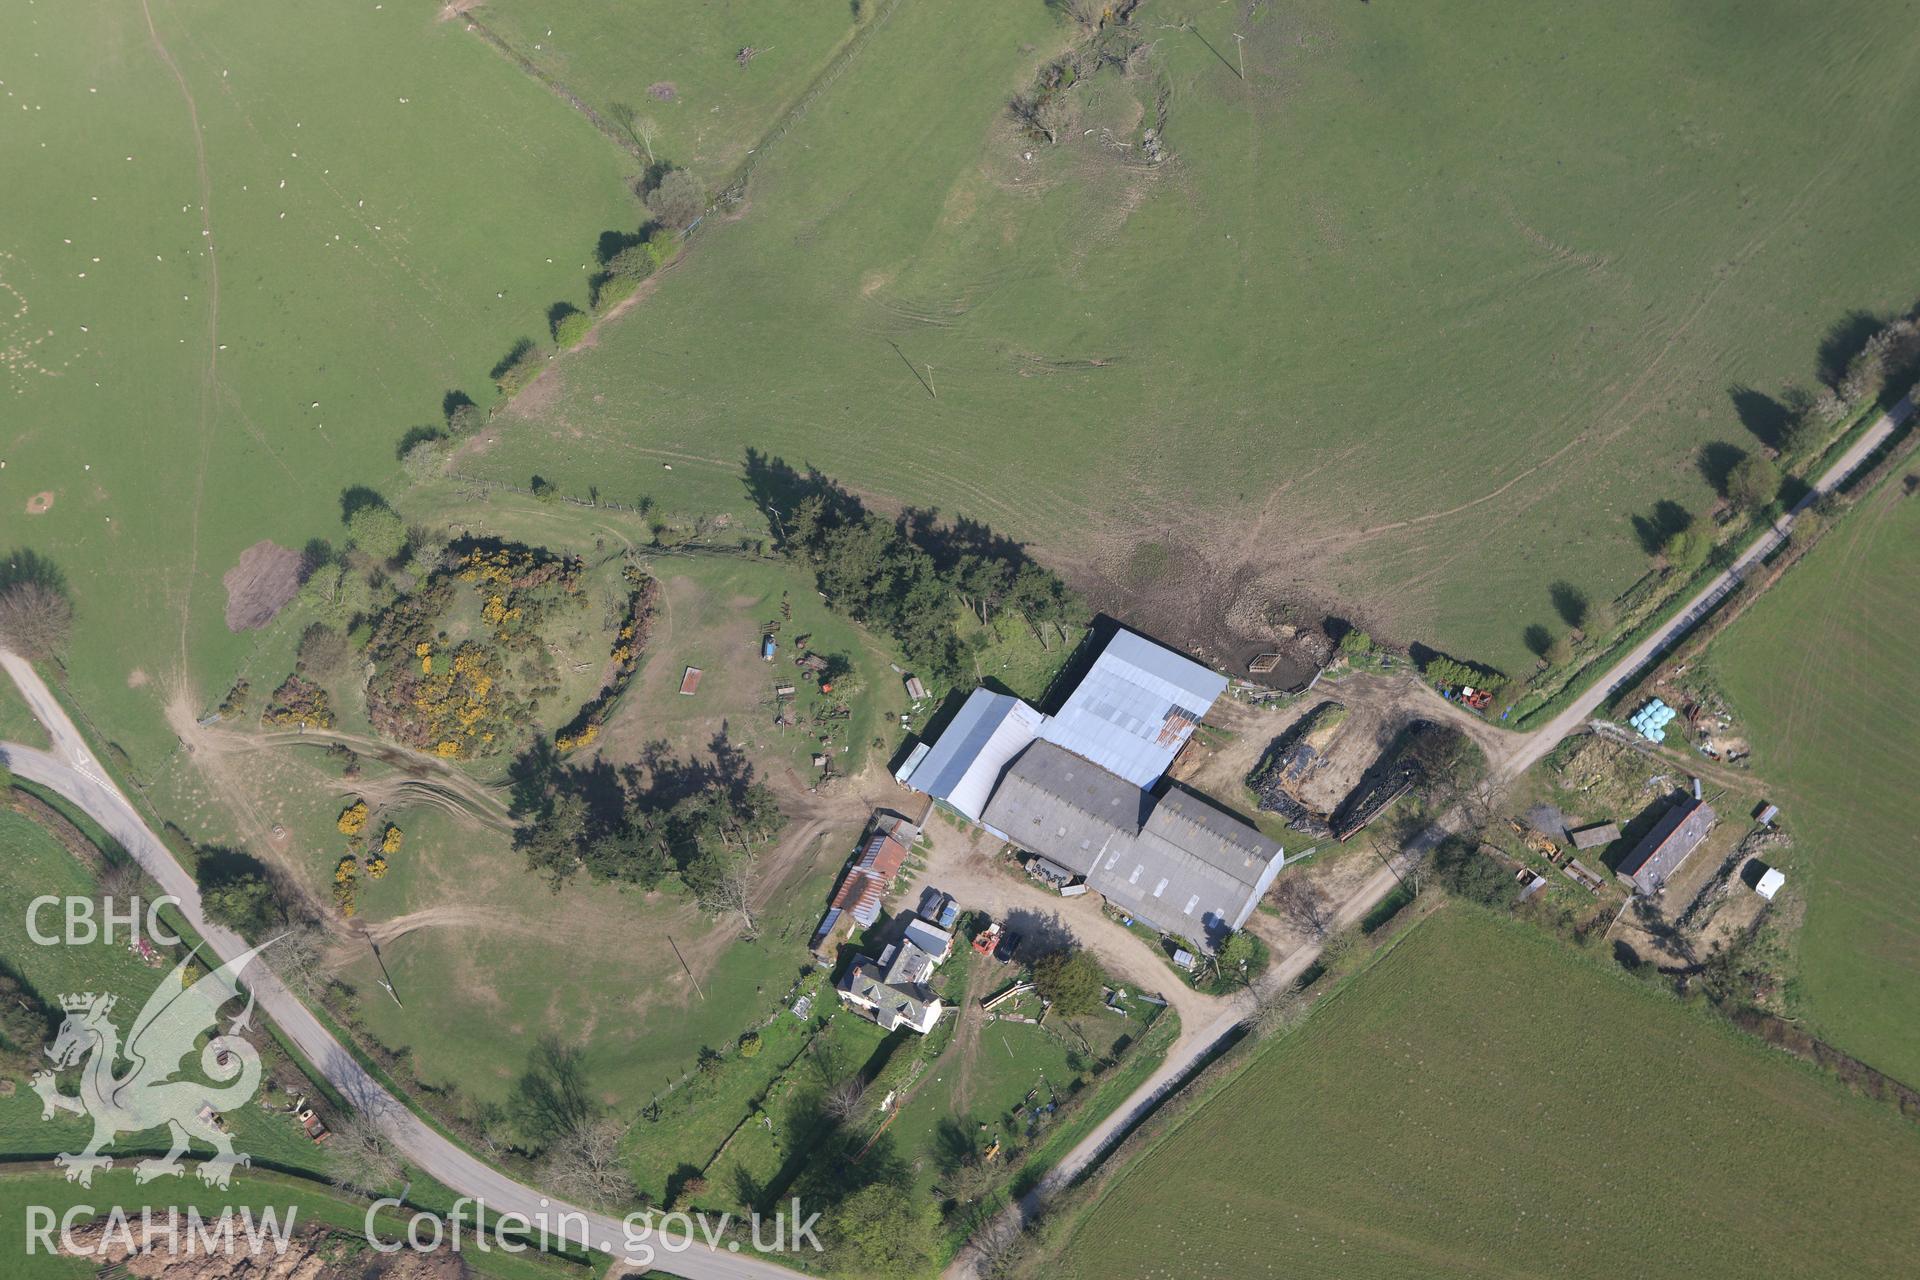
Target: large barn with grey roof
{"x":1652,"y":862}
{"x":1078,"y":788}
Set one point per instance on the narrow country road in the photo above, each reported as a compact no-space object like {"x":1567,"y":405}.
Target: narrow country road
{"x":1547,"y":736}
{"x":70,"y":769}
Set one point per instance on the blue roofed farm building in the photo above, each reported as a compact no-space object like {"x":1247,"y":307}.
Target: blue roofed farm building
{"x":1085,"y":789}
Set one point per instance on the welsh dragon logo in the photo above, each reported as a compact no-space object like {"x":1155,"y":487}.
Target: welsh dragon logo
{"x":175,"y":1016}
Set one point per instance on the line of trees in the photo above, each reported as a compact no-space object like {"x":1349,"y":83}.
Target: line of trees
{"x":1864,"y":358}
{"x":909,"y":576}
{"x":1441,"y":669}
{"x":674,"y":200}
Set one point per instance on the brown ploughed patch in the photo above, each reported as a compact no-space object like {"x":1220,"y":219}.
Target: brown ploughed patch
{"x":260,"y":585}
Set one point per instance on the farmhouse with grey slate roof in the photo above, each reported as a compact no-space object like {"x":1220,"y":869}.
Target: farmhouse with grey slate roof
{"x":1677,"y":834}
{"x":1075,"y":789}
{"x":895,"y":990}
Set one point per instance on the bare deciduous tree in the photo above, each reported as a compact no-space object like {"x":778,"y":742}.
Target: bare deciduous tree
{"x":123,"y":879}
{"x":1043,"y":115}
{"x":1454,"y":774}
{"x":998,"y":1249}
{"x":584,"y":1164}
{"x":1277,"y":1011}
{"x":35,"y":619}
{"x":1388,"y":841}
{"x":844,"y":1100}
{"x":360,"y":1156}
{"x":640,"y":128}
{"x":1339,"y":950}
{"x":969,"y":1180}
{"x":1305,"y":905}
{"x":732,"y":894}
{"x":299,"y":957}
{"x":1088,"y":15}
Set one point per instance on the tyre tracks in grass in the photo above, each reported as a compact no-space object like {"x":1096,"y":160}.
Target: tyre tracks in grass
{"x":210,"y":376}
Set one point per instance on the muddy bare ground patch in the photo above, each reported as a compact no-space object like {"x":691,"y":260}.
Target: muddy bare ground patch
{"x":1223,"y":614}
{"x":260,"y":585}
{"x":537,"y":397}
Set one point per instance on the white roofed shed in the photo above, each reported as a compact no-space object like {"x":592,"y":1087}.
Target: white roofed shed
{"x":1135,"y":709}
{"x":965,"y":764}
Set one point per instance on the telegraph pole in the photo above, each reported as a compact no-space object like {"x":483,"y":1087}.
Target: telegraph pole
{"x":385,"y":979}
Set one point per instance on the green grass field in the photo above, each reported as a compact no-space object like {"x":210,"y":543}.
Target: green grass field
{"x":604,"y":978}
{"x":1823,"y":672}
{"x":782,"y":1081}
{"x":1436,"y":375}
{"x":1259,"y":342}
{"x":753,"y":1127}
{"x":711,"y":616}
{"x":973,"y":1095}
{"x":1483,"y":1102}
{"x":32,"y":864}
{"x":1426,"y":306}
{"x":676,"y":66}
{"x":465,"y":200}
{"x":17,"y":722}
{"x":392,"y":205}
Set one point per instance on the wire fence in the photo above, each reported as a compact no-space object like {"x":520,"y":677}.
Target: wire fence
{"x":736,"y":187}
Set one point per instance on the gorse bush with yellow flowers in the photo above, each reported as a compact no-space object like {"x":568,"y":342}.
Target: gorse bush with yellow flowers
{"x":346,"y":880}
{"x":459,"y":661}
{"x":622,"y":662}
{"x":296,"y":703}
{"x":353,"y":819}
